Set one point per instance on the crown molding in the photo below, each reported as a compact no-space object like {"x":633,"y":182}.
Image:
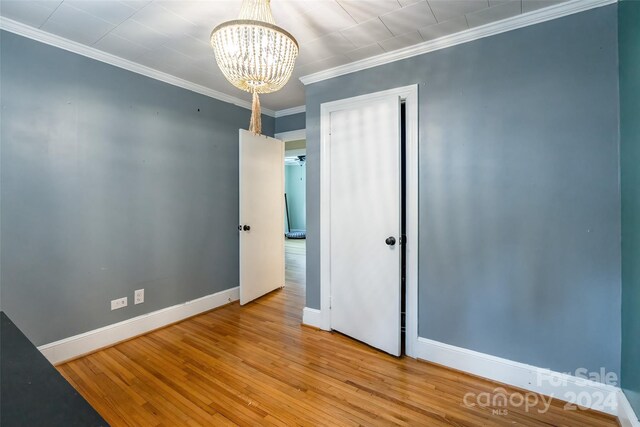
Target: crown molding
{"x":93,"y":53}
{"x":290,"y":111}
{"x":509,"y":24}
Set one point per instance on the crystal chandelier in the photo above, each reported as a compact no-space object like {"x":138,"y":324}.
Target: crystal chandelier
{"x":254,"y":54}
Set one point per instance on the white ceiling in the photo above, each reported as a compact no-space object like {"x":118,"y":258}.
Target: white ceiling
{"x":172,"y":36}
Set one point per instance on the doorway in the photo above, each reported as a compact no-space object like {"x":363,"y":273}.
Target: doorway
{"x":294,"y":214}
{"x":272,"y":223}
{"x":295,"y":189}
{"x":295,"y":211}
{"x":364,"y":240}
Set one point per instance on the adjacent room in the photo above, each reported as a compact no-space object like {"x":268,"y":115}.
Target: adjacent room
{"x":320,"y":212}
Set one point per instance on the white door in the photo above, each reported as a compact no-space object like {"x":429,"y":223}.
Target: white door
{"x":261,"y":222}
{"x":365,"y":222}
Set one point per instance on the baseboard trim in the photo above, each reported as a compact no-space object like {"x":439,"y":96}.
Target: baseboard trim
{"x":312,"y":317}
{"x":88,"y":342}
{"x":626,"y":414}
{"x":531,"y":378}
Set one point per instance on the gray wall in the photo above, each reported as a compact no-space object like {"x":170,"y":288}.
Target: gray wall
{"x":291,"y":122}
{"x":110,"y":182}
{"x":519,"y":210}
{"x":629,"y":40}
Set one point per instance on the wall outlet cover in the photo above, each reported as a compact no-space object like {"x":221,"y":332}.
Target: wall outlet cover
{"x":118,"y":303}
{"x":138,"y":296}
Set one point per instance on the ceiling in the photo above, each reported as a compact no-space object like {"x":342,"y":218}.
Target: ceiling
{"x":172,"y":36}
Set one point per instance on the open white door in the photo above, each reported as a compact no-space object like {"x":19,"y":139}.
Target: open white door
{"x":365,"y":222}
{"x":261,"y":226}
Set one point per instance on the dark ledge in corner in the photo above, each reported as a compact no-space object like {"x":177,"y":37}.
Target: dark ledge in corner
{"x":32,"y":391}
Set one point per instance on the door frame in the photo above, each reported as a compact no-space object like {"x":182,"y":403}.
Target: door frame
{"x":409,"y":94}
{"x":292,"y":135}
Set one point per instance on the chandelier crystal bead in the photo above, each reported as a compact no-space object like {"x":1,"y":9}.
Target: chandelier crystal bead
{"x":254,"y":54}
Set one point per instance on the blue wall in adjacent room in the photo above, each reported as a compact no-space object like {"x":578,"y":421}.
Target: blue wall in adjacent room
{"x":110,"y":182}
{"x":519,"y":210}
{"x":295,"y":187}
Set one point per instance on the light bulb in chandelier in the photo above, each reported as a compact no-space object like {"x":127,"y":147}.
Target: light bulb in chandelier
{"x":254,"y":54}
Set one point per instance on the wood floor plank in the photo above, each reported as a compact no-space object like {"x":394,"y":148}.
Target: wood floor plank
{"x":257,"y":365}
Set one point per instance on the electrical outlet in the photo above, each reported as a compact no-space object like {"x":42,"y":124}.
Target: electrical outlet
{"x":118,"y":303}
{"x":138,"y":296}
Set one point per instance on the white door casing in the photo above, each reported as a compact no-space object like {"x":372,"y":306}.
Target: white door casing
{"x":262,"y":210}
{"x":324,"y":317}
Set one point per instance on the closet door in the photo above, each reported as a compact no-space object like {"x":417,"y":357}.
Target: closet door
{"x":365,"y":222}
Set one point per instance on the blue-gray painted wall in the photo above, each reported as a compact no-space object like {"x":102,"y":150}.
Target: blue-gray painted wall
{"x":291,"y":122}
{"x":110,"y":182}
{"x":629,"y":45}
{"x":519,"y":210}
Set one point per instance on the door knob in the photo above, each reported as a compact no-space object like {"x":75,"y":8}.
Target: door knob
{"x":246,"y":228}
{"x":390,"y":241}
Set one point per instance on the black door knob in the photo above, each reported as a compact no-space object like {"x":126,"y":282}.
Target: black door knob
{"x":246,"y":228}
{"x":390,"y":241}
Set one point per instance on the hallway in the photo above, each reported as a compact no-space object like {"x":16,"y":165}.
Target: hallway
{"x":295,"y":251}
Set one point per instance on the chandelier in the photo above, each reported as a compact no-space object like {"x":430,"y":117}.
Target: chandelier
{"x":254,"y":54}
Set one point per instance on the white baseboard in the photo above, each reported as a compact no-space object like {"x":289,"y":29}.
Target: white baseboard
{"x":88,"y":342}
{"x":543,"y":381}
{"x":626,"y":415}
{"x":312,"y":317}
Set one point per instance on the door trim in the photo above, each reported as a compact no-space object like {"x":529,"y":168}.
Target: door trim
{"x":410,"y":95}
{"x":292,"y":135}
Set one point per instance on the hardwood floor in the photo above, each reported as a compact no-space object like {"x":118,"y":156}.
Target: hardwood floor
{"x":256,"y":365}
